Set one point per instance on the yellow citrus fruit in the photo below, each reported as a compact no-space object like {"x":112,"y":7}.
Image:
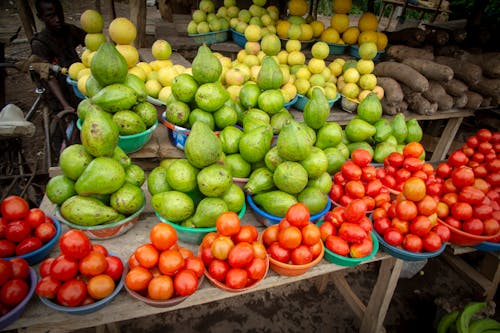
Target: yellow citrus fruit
{"x":282,"y":28}
{"x":367,"y":36}
{"x":130,"y":54}
{"x":81,"y":84}
{"x":335,"y":68}
{"x":91,"y":21}
{"x":342,"y":6}
{"x":362,"y":95}
{"x":297,"y":7}
{"x":381,"y":41}
{"x":368,"y":22}
{"x":161,"y":49}
{"x":166,"y":75}
{"x":283,"y":57}
{"x":317,"y":27}
{"x":326,"y":73}
{"x":296,"y":58}
{"x":74,"y":69}
{"x":302,"y":86}
{"x":165,"y":93}
{"x":307,"y":32}
{"x":139,"y":72}
{"x":293,"y":45}
{"x":94,"y":40}
{"x":303,"y":73}
{"x":350,"y":36}
{"x":340,"y":83}
{"x":122,"y":31}
{"x":379,"y":91}
{"x":153,"y":75}
{"x":330,"y":35}
{"x":145,"y":66}
{"x":251,"y":60}
{"x":350,"y":90}
{"x":351,"y":75}
{"x":341,"y":61}
{"x":253,"y":33}
{"x":320,"y":50}
{"x":295,"y":31}
{"x":339,"y":22}
{"x":365,"y":66}
{"x":316,"y":66}
{"x":367,"y":81}
{"x":153,"y":88}
{"x":271,"y":45}
{"x":368,"y":50}
{"x":83,"y":72}
{"x":87,"y":57}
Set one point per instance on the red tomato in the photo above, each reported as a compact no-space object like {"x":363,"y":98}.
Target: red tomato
{"x":461,"y":211}
{"x":382,"y":198}
{"x":366,"y":224}
{"x":355,"y":210}
{"x":45,"y":231}
{"x":406,"y":210}
{"x":373,"y":187}
{"x":100,"y":248}
{"x":256,"y":269}
{"x":207,"y":256}
{"x":381,"y":225}
{"x":472,"y":141}
{"x":20,"y":268}
{"x":355,"y":189}
{"x":351,"y":232}
{"x":351,"y":171}
{"x":361,"y":157}
{"x":301,"y":255}
{"x":401,"y":225}
{"x":44,"y":268}
{"x":28,"y":245}
{"x":480,"y":171}
{"x":473,"y":226}
{"x":494,"y":165}
{"x":326,"y":229}
{"x":14,"y":208}
{"x":218,"y":269}
{"x":270,"y":235}
{"x":47,"y":287}
{"x":369,"y":173}
{"x":236,"y":278}
{"x":100,"y":286}
{"x":138,"y":278}
{"x":432,"y":242}
{"x":394,"y":159}
{"x":442,"y":231}
{"x":290,"y":237}
{"x":389,"y":181}
{"x":6,"y":271}
{"x":484,"y":135}
{"x":171,"y":261}
{"x":64,"y":268}
{"x":338,"y":178}
{"x":93,"y":264}
{"x":453,"y":222}
{"x":114,"y":267}
{"x":457,"y":159}
{"x":495,"y":137}
{"x":421,"y":226}
{"x":402,"y":175}
{"x":413,"y":149}
{"x":185,"y":282}
{"x":471,"y":195}
{"x":412,"y":243}
{"x":221,"y":247}
{"x":478,"y":157}
{"x":414,"y":189}
{"x":146,"y":254}
{"x":240,"y":255}
{"x":17,"y":231}
{"x":393,"y":236}
{"x":72,"y":293}
{"x":493,"y":179}
{"x":298,"y":215}
{"x":463,"y":176}
{"x":277,"y":252}
{"x":345,"y":200}
{"x":310,"y":234}
{"x":247,"y":233}
{"x":427,"y":206}
{"x":337,"y":245}
{"x":468,"y":151}
{"x":485,"y":147}
{"x":336,"y":216}
{"x":259,"y":250}
{"x":75,"y":244}
{"x":163,"y":236}
{"x":35,"y":217}
{"x":208,"y":239}
{"x":13,"y":292}
{"x":491,"y":227}
{"x":196,"y":265}
{"x":413,"y":164}
{"x":228,"y":224}
{"x":336,"y":192}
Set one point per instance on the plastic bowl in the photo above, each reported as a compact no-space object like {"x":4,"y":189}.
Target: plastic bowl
{"x":157,"y":303}
{"x":105,"y":231}
{"x":292,"y":102}
{"x":488,"y":246}
{"x":90,"y":308}
{"x":74,"y":84}
{"x":462,"y":238}
{"x":177,"y":134}
{"x":194,"y":235}
{"x":348,"y":261}
{"x":238,"y":38}
{"x":38,"y":255}
{"x":337,"y":48}
{"x":354,"y":51}
{"x":294,"y":270}
{"x":131,"y":143}
{"x":210,"y":37}
{"x":407,"y":255}
{"x":269,"y":220}
{"x":302,"y":100}
{"x":18,"y":310}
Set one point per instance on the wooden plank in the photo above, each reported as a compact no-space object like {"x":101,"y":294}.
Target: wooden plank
{"x":447,"y":136}
{"x":357,"y":306}
{"x":462,"y":267}
{"x":380,"y":298}
{"x":138,"y":17}
{"x":26,"y":16}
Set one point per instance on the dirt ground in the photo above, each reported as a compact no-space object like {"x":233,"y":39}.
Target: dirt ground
{"x":419,"y":300}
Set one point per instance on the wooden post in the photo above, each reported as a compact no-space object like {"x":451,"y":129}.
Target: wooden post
{"x":26,"y":16}
{"x":138,"y":17}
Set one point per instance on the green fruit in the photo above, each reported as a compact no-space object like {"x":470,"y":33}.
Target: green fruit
{"x":177,"y":113}
{"x":323,"y":182}
{"x":214,"y":180}
{"x":202,"y":146}
{"x":360,"y":145}
{"x":137,"y":85}
{"x":115,"y":97}
{"x":99,"y":133}
{"x":230,"y":139}
{"x":271,"y":101}
{"x":226,"y":116}
{"x":92,"y":86}
{"x":270,"y":75}
{"x":157,"y":181}
{"x":108,"y":66}
{"x":128,"y":199}
{"x":181,"y":176}
{"x":294,"y":142}
{"x":234,"y":198}
{"x":399,"y":129}
{"x":414,"y":131}
{"x":335,"y":159}
{"x":260,"y":180}
{"x":207,"y":212}
{"x":314,"y":199}
{"x":317,"y":110}
{"x":87,"y":211}
{"x":329,"y":135}
{"x":59,"y":189}
{"x":370,"y":109}
{"x":249,"y":95}
{"x":211,"y":96}
{"x":73,"y":161}
{"x":273,"y":159}
{"x":358,"y":130}
{"x":200,"y":115}
{"x":206,"y":67}
{"x":275,"y":203}
{"x":486,"y":325}
{"x":382,"y":150}
{"x":135,"y":175}
{"x":238,"y":166}
{"x":129,"y":122}
{"x":290,"y":177}
{"x":447,"y":321}
{"x":316,"y":163}
{"x":279,"y":119}
{"x":255,"y":143}
{"x":184,"y":87}
{"x":147,"y":112}
{"x":383,"y":130}
{"x":466,"y":315}
{"x":174,"y":206}
{"x":103,"y":175}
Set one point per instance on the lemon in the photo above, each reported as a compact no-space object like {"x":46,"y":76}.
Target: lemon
{"x":368,"y":22}
{"x":339,"y":22}
{"x":282,"y":28}
{"x":351,"y":75}
{"x":297,"y":7}
{"x":252,"y":48}
{"x":164,"y":94}
{"x":340,"y":83}
{"x":153,"y":88}
{"x":318,"y":27}
{"x":303,"y":73}
{"x":122,"y":31}
{"x":295,"y":31}
{"x":83,"y":72}
{"x":283,"y":57}
{"x":340,"y":61}
{"x":93,"y":41}
{"x":153,"y":75}
{"x":253,"y":33}
{"x":91,"y":21}
{"x":302,"y":86}
{"x":367,"y":81}
{"x":330,"y":90}
{"x":139,"y":72}
{"x":368,"y":50}
{"x":381,"y":41}
{"x":166,"y":75}
{"x":367,"y":36}
{"x":271,"y":45}
{"x":317,"y":80}
{"x":326,"y":73}
{"x":335,"y":68}
{"x":350,"y":90}
{"x":130,"y":54}
{"x":342,"y":6}
{"x":350,"y":36}
{"x":293,"y":45}
{"x":81,"y":84}
{"x":296,"y":58}
{"x":161,"y":49}
{"x":307,"y":32}
{"x":320,"y":50}
{"x":74,"y":69}
{"x":316,"y":66}
{"x":145,"y":66}
{"x":289,"y":90}
{"x":87,"y":57}
{"x":330,"y":35}
{"x":365,"y":66}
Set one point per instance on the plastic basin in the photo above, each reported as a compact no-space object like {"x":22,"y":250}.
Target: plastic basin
{"x":407,"y":255}
{"x":302,"y":100}
{"x":354,"y":51}
{"x":269,"y":220}
{"x":238,"y":38}
{"x":210,"y":37}
{"x":292,"y":102}
{"x":18,"y":310}
{"x":194,"y":235}
{"x":462,"y":238}
{"x":337,"y":48}
{"x":74,"y":84}
{"x":177,"y":134}
{"x":294,"y":270}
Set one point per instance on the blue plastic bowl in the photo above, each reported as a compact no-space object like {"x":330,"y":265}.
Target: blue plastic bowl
{"x":38,"y":255}
{"x":238,"y":38}
{"x":488,"y":246}
{"x":302,"y":100}
{"x":194,"y":235}
{"x":90,"y":308}
{"x":292,"y":102}
{"x":210,"y":37}
{"x":131,"y":143}
{"x":337,"y":48}
{"x":407,"y":255}
{"x":74,"y":84}
{"x":269,"y":220}
{"x":18,"y":310}
{"x":354,"y":51}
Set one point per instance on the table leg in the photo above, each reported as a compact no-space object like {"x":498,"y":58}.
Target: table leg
{"x":380,"y":298}
{"x":446,"y":139}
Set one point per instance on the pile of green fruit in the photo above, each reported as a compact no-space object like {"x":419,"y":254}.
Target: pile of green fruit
{"x":205,"y":20}
{"x":194,"y":191}
{"x":462,"y":321}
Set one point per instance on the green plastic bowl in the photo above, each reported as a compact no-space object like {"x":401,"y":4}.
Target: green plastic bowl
{"x":194,"y":235}
{"x":131,"y":143}
{"x":348,"y":261}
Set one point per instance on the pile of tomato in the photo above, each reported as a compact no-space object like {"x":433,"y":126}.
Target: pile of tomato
{"x":14,"y":286}
{"x":233,"y":255}
{"x":294,"y":240}
{"x":23,"y":230}
{"x":82,"y":274}
{"x":471,"y":185}
{"x":162,"y":269}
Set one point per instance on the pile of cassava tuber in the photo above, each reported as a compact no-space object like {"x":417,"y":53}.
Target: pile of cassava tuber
{"x":415,"y":79}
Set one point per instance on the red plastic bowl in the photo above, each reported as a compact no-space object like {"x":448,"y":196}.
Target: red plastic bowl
{"x":463,"y":238}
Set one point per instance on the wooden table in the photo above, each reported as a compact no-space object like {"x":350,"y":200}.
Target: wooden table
{"x":39,"y":317}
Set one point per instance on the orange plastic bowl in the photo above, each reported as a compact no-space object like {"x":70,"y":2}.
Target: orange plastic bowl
{"x":294,"y":270}
{"x":462,"y":238}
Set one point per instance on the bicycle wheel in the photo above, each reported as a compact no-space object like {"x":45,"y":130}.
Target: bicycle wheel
{"x":63,"y":132}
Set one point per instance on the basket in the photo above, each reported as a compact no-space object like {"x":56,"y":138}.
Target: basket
{"x":194,"y":235}
{"x":337,"y":48}
{"x":407,"y":255}
{"x":210,"y":37}
{"x":302,"y":100}
{"x":462,"y":238}
{"x":74,"y":84}
{"x":269,"y":220}
{"x":295,"y":270}
{"x":131,"y":143}
{"x":238,"y":38}
{"x":354,"y":51}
